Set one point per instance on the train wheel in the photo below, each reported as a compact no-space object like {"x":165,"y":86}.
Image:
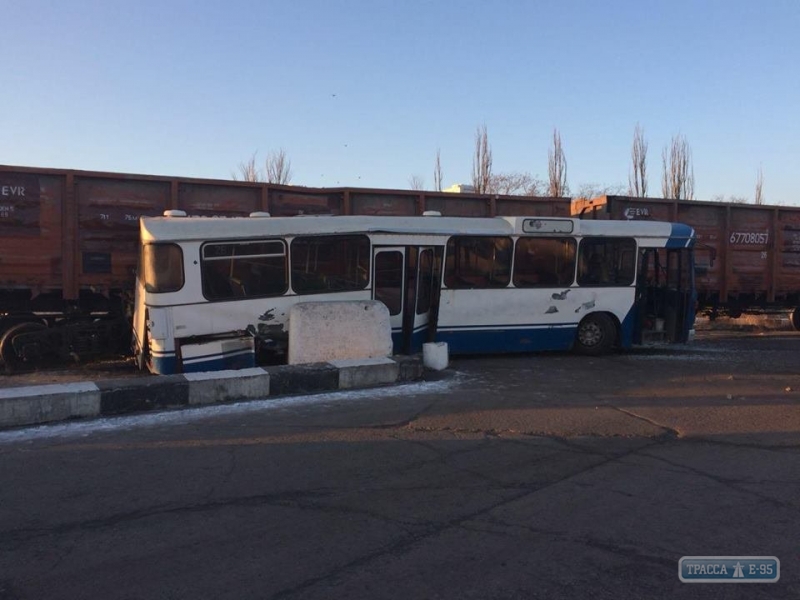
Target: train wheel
{"x":596,"y":335}
{"x":795,"y":318}
{"x":7,"y":352}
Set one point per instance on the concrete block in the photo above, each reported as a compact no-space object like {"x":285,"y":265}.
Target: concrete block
{"x":302,"y":379}
{"x":366,"y":372}
{"x":326,"y":331}
{"x":45,"y":403}
{"x":119,"y":396}
{"x":435,"y":355}
{"x":411,"y":368}
{"x":227,"y":386}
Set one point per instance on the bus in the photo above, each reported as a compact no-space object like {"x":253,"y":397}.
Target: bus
{"x":215,"y":292}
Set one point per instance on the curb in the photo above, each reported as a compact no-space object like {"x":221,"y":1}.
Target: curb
{"x":35,"y":405}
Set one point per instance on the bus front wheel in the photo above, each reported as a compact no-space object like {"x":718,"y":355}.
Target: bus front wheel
{"x":596,"y":335}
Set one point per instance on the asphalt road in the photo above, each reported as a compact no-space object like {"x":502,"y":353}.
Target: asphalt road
{"x":543,"y":476}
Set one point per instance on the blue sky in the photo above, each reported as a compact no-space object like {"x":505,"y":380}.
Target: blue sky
{"x":363,"y":93}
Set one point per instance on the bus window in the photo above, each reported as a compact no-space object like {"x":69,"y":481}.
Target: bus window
{"x":544,"y":262}
{"x":324,"y":264}
{"x":607,"y":262}
{"x":162,"y":267}
{"x":252,"y":269}
{"x":478,"y":262}
{"x":389,"y":280}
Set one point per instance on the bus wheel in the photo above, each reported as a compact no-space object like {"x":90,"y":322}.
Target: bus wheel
{"x":10,"y":357}
{"x":795,"y":318}
{"x":596,"y":335}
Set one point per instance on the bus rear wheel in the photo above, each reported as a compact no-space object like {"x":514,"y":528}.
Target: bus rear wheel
{"x":596,"y":335}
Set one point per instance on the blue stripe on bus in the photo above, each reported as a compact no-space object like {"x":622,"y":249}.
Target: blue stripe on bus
{"x":166,"y":363}
{"x":681,"y":236}
{"x":485,"y":339}
{"x":627,"y":326}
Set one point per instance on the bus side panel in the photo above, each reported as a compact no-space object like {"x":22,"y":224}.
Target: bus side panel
{"x":216,"y":355}
{"x":524,"y":320}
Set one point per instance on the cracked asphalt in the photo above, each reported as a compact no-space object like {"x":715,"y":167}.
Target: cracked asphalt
{"x":539,"y":476}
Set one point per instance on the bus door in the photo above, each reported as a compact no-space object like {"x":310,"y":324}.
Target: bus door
{"x":407,"y":280}
{"x":665,"y":295}
{"x":681,"y":295}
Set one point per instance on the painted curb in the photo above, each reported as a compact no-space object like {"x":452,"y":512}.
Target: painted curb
{"x":36,"y":405}
{"x":46,"y":403}
{"x":370,"y":372}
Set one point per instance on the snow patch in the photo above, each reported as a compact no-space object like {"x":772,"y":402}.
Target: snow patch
{"x":189,"y":415}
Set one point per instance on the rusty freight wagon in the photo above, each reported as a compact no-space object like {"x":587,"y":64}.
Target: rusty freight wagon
{"x":68,"y":242}
{"x":752,"y":262}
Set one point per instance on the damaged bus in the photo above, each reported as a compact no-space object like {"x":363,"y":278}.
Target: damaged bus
{"x":216,"y":293}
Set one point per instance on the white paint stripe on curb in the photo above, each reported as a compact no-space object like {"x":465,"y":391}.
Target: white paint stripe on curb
{"x":45,"y":390}
{"x":230,"y":374}
{"x":213,"y":387}
{"x":32,"y":405}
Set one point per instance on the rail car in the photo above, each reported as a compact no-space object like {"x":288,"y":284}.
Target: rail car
{"x":213,"y":293}
{"x":69,"y":239}
{"x":750,"y":258}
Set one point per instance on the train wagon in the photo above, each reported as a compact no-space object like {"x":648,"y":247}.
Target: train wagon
{"x":69,"y":239}
{"x":748,"y":257}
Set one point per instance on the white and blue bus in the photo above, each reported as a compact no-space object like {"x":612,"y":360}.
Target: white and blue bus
{"x":215,"y":293}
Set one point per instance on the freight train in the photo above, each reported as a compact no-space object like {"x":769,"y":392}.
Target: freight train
{"x":751,"y":261}
{"x":69,"y":239}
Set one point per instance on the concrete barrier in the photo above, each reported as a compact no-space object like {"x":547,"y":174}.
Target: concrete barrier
{"x":224,"y":386}
{"x":34,"y":405}
{"x":325,"y":331}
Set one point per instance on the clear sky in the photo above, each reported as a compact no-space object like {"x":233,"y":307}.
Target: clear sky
{"x":363,"y":93}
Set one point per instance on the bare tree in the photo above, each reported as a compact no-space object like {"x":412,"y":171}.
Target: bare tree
{"x":278,"y":168}
{"x":732,"y":199}
{"x":416,"y":182}
{"x":515,"y":184}
{"x":482,"y":162}
{"x":759,"y":197}
{"x":437,"y":172}
{"x":637,"y":180}
{"x":588,"y":191}
{"x":247,"y":171}
{"x":677,"y":180}
{"x":557,"y":168}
